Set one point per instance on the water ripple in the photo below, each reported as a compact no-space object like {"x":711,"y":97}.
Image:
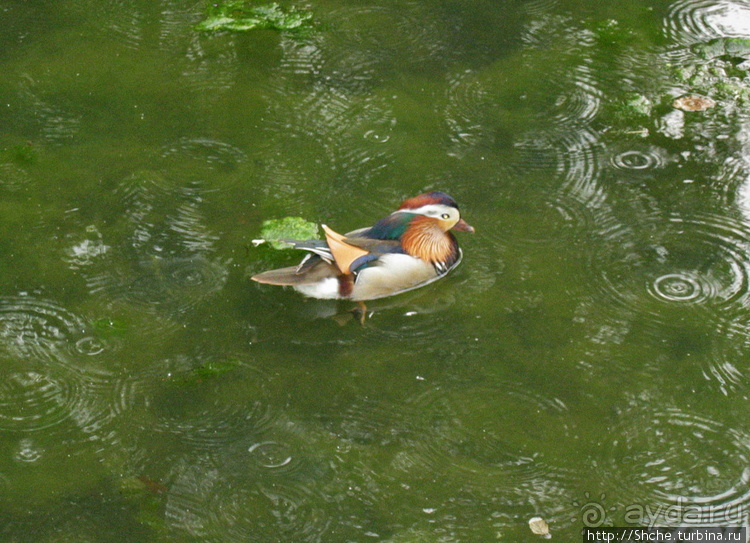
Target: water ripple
{"x":176,"y":28}
{"x":57,"y":369}
{"x":187,"y":154}
{"x":468,"y":97}
{"x":462,"y":430}
{"x":142,"y":188}
{"x":38,"y":330}
{"x":268,"y":491}
{"x":210,"y":72}
{"x":188,"y":224}
{"x":579,"y":99}
{"x":645,"y":158}
{"x":539,"y":8}
{"x":682,"y":287}
{"x":162,"y":255}
{"x":212,"y":429}
{"x":350,"y":135}
{"x":461,"y":438}
{"x":557,"y":142}
{"x":418,"y":315}
{"x":27,"y":452}
{"x":271,"y":455}
{"x":121,"y":21}
{"x":579,"y":164}
{"x":701,"y":262}
{"x":56,"y":124}
{"x":31,"y":400}
{"x":686,"y":463}
{"x":176,"y":283}
{"x":86,"y":251}
{"x":692,"y":21}
{"x":725,"y":364}
{"x":669,"y":278}
{"x":13,"y":178}
{"x":541,"y":218}
{"x":309,"y":62}
{"x":384,"y":33}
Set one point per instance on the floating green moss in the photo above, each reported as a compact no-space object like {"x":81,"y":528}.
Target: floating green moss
{"x":238,"y":16}
{"x":275,"y":230}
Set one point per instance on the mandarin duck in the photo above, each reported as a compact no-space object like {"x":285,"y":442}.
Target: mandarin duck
{"x":409,"y":248}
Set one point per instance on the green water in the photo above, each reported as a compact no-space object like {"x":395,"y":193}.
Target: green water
{"x":588,"y":362}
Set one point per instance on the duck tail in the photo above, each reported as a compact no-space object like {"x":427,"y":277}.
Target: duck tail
{"x":283,"y":276}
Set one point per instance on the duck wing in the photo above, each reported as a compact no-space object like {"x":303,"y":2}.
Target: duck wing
{"x":350,"y":252}
{"x":330,"y":257}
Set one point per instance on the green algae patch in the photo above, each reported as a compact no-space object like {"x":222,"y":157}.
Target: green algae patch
{"x":239,"y":16}
{"x":274,"y":231}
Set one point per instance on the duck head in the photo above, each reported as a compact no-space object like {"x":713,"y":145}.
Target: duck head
{"x":439,"y":207}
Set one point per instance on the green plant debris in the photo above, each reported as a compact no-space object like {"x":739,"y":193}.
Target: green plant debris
{"x":720,"y":80}
{"x":632,"y":107}
{"x":276,"y":230}
{"x":205,"y":372}
{"x":731,"y":48}
{"x":238,"y":16}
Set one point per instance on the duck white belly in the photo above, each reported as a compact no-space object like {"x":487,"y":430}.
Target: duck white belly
{"x":393,"y":273}
{"x":326,"y":289}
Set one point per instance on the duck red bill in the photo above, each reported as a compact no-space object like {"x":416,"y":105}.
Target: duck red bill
{"x":463,"y":226}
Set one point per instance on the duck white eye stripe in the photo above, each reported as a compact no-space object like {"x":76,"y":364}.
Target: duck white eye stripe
{"x":430,"y":210}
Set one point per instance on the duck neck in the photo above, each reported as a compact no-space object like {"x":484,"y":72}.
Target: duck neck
{"x":424,"y":239}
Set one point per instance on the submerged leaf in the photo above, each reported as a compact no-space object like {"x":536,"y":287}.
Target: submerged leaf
{"x":275,"y":230}
{"x":693,"y":103}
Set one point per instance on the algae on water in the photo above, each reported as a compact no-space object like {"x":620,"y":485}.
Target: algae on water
{"x":239,"y":16}
{"x":276,"y":230}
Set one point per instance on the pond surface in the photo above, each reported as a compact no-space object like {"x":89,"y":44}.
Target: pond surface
{"x":587,"y":363}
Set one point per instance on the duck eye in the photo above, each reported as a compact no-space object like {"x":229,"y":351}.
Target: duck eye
{"x":445,"y":216}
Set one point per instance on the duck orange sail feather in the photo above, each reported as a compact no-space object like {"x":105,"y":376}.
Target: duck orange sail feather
{"x":343,"y":253}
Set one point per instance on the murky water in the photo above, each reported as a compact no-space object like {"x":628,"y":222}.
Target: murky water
{"x":588,"y":362}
